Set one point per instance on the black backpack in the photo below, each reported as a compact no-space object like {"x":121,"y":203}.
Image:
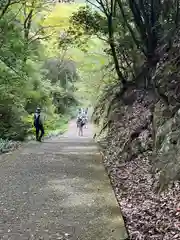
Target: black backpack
{"x":80,"y":121}
{"x":36,"y":120}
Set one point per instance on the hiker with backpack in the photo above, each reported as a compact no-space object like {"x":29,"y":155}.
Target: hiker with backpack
{"x":38,"y":124}
{"x":80,"y":124}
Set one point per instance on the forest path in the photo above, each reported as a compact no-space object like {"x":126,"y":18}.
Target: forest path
{"x":58,"y":189}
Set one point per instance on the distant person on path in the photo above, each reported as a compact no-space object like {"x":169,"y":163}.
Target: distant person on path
{"x":80,"y":124}
{"x":38,"y":124}
{"x":79,"y":114}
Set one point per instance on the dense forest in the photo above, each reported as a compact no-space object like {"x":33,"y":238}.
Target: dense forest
{"x":123,"y":58}
{"x":33,"y":71}
{"x":37,"y":70}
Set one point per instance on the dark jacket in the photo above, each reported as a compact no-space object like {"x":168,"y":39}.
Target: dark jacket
{"x":37,"y":120}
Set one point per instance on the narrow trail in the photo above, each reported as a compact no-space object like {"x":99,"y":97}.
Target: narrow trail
{"x":58,"y":190}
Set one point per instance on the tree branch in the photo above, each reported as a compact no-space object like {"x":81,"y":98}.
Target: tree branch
{"x":130,"y":28}
{"x":40,"y":38}
{"x":177,"y":14}
{"x":113,"y":49}
{"x":8,"y":4}
{"x":93,"y":4}
{"x":9,"y":66}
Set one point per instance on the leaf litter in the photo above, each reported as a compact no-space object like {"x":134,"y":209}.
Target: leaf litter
{"x":147,"y":215}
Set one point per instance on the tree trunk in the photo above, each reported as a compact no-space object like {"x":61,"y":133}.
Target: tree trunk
{"x":113,"y":49}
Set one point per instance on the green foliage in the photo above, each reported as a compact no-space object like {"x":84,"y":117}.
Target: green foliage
{"x":62,"y":75}
{"x":118,"y":44}
{"x":134,"y":31}
{"x":12,"y":124}
{"x":7,"y":145}
{"x":26,"y":80}
{"x":61,"y":72}
{"x":89,"y":20}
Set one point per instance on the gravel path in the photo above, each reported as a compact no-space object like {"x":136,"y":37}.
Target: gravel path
{"x":58,"y":190}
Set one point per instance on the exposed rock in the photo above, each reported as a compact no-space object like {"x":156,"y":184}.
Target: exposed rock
{"x":166,"y":117}
{"x":148,"y":215}
{"x":142,"y":153}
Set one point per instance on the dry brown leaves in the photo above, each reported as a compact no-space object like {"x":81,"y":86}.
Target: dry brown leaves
{"x":147,"y":215}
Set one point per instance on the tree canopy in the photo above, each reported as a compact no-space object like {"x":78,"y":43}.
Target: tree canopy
{"x":31,"y":73}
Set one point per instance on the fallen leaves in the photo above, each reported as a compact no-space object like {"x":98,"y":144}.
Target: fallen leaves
{"x":148,"y":216}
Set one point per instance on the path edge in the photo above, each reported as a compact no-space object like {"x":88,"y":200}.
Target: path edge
{"x":102,"y":155}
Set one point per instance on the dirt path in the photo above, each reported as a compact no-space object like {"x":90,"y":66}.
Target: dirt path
{"x":58,"y":190}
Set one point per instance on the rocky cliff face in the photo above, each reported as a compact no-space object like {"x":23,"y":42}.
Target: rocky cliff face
{"x":148,"y":122}
{"x":142,"y":153}
{"x":166,"y":158}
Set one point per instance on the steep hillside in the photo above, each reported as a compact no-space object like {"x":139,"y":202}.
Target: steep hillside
{"x":142,"y":152}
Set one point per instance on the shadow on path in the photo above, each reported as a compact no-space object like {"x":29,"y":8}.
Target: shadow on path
{"x":58,"y":190}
